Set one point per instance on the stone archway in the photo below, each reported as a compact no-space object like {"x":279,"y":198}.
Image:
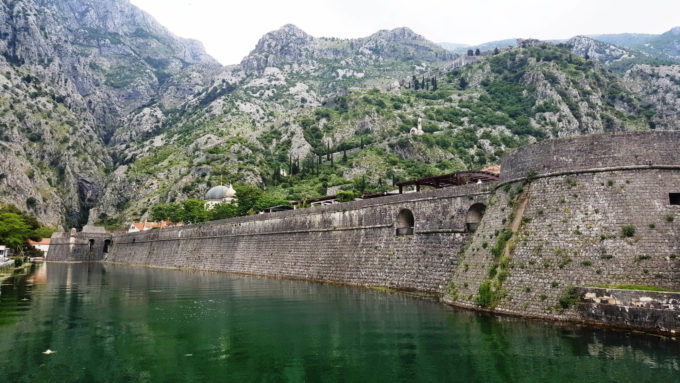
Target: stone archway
{"x":405,"y":222}
{"x":474,"y":216}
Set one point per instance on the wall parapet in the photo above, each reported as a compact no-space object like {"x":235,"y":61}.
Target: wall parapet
{"x":630,"y":150}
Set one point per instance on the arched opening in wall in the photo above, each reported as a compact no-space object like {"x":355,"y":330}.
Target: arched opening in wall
{"x":405,"y":222}
{"x":474,"y":216}
{"x":107,"y":246}
{"x":91,"y":245}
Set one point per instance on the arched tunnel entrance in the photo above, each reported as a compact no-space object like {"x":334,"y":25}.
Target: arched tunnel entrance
{"x":474,"y":216}
{"x":405,"y":222}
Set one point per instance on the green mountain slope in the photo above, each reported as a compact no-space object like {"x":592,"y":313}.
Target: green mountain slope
{"x":477,"y":113}
{"x":104,"y":113}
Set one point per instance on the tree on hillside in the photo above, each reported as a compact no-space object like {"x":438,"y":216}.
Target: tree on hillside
{"x":17,"y":227}
{"x":194,"y":211}
{"x":496,"y":51}
{"x":416,"y":85}
{"x":470,"y":52}
{"x":477,"y":52}
{"x":462,"y":84}
{"x":173,"y":212}
{"x":223,"y":211}
{"x":267,"y":200}
{"x":247,"y":196}
{"x":13,"y":231}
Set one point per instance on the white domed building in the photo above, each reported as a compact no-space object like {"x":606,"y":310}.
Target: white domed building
{"x":219,"y":194}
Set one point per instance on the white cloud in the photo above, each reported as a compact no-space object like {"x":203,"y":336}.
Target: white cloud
{"x":230,"y":29}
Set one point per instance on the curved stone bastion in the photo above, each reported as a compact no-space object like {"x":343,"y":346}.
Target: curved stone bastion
{"x":569,"y":221}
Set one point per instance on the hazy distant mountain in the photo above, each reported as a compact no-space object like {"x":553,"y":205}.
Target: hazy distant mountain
{"x":463,"y":48}
{"x":665,"y":46}
{"x":613,"y":57}
{"x":453,"y":47}
{"x":627,"y":40}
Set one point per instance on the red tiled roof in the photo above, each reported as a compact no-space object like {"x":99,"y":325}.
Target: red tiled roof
{"x":141,"y":226}
{"x":496,"y":169}
{"x":44,"y":241}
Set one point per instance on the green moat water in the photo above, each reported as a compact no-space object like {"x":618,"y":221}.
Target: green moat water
{"x":109,"y":323}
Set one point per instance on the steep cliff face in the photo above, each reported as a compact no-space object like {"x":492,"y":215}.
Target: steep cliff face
{"x":658,"y":88}
{"x":107,"y":56}
{"x":53,"y":162}
{"x":292,"y":46}
{"x":74,"y":72}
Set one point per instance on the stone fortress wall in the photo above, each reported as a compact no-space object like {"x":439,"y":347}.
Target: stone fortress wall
{"x":567,"y":203}
{"x":355,"y":242}
{"x":560,"y":204}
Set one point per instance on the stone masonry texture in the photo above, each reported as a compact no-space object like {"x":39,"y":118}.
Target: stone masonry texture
{"x":567,"y":200}
{"x":352,"y":242}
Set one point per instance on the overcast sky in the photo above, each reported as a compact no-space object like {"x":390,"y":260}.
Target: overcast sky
{"x":229,"y":29}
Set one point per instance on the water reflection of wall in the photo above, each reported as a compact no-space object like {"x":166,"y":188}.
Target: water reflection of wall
{"x":117,"y":323}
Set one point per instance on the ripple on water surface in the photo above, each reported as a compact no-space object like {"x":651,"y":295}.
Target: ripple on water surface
{"x":116,"y":323}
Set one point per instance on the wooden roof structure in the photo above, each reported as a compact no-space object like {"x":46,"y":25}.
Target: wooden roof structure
{"x":453,"y":179}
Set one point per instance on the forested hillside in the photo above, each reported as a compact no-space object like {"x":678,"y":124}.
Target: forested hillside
{"x":104,"y":113}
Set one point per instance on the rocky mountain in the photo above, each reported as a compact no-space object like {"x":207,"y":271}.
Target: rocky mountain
{"x":106,"y":56}
{"x":74,"y":71}
{"x":613,"y":57}
{"x":254,"y":128}
{"x":658,"y":89}
{"x":288,"y":74}
{"x":624,"y":39}
{"x":665,"y":46}
{"x":104,"y":113}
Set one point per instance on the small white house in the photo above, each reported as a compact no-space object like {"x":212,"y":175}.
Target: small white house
{"x":43,"y":245}
{"x":136,"y":227}
{"x":5,"y":252}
